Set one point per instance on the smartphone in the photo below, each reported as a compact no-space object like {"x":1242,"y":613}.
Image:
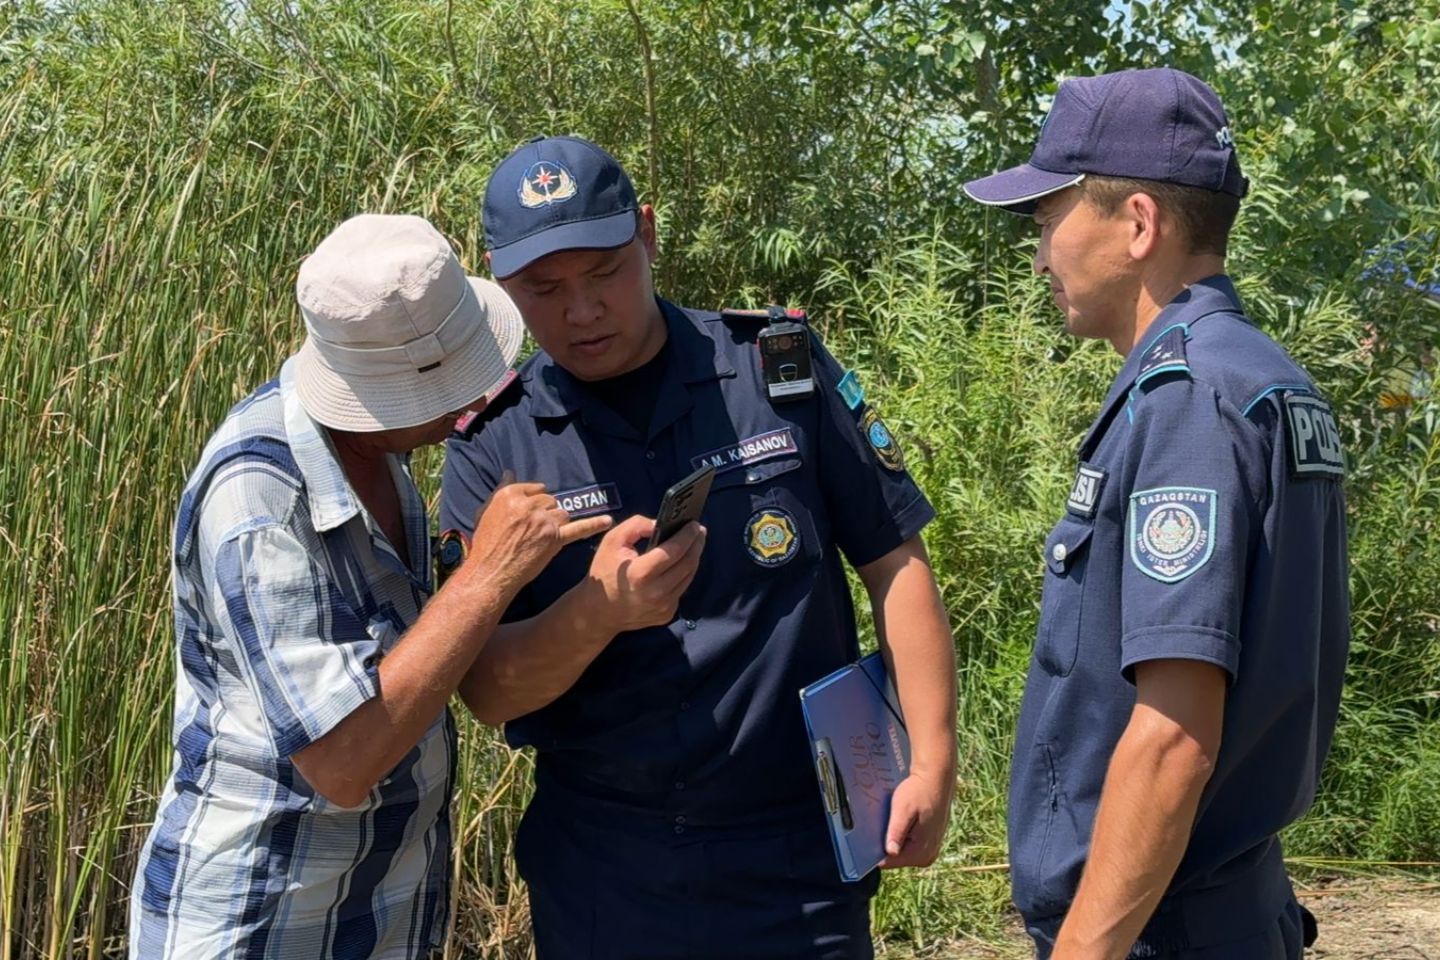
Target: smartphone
{"x":681,"y":504}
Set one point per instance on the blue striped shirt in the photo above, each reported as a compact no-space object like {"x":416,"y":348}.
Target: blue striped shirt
{"x":287,"y":594}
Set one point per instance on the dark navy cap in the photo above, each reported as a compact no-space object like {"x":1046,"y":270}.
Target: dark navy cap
{"x":1159,"y":124}
{"x":552,"y":194}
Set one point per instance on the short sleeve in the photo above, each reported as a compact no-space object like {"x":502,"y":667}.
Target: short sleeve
{"x":1193,"y":512}
{"x":467,"y":481}
{"x":304,"y":654}
{"x":874,"y":503}
{"x":470,"y":476}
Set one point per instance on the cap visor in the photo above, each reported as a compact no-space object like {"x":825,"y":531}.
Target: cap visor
{"x":603,"y":233}
{"x":1016,"y":190}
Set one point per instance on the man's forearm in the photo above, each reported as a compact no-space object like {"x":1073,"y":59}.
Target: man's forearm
{"x":416,"y":680}
{"x":1147,"y":810}
{"x":914,"y":631}
{"x":527,"y":664}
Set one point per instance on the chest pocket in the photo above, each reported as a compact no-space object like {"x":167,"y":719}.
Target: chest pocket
{"x":1066,"y":552}
{"x":758,"y":518}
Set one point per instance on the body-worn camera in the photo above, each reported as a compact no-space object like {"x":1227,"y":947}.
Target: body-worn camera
{"x":785,"y":355}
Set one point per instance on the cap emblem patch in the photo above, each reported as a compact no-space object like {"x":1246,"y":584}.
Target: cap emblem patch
{"x":544,"y":183}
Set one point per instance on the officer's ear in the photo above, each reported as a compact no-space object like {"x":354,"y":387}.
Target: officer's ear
{"x":645,"y":227}
{"x":487,"y":262}
{"x":1143,"y":222}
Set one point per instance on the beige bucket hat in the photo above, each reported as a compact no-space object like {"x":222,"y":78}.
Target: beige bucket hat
{"x":398,"y":333}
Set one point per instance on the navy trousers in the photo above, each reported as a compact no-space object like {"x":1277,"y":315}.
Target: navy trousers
{"x":609,"y":887}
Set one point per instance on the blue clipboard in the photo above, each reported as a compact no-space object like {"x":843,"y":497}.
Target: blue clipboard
{"x":861,"y":753}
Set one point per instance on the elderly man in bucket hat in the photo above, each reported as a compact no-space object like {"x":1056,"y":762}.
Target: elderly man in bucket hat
{"x":308,"y":811}
{"x":1193,"y":630}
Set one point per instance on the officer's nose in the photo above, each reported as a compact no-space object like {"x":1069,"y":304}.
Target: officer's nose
{"x":1041,"y":263}
{"x":582,"y":309}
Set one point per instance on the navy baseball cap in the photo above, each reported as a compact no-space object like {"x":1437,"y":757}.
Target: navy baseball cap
{"x":1159,"y":124}
{"x":552,"y":194}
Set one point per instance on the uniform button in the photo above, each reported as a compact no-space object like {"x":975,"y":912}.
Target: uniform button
{"x":679,"y":829}
{"x":680,"y":819}
{"x":649,"y":454}
{"x":684,"y":704}
{"x":1059,"y":553}
{"x":752,"y":477}
{"x":689,"y":624}
{"x":679,"y":784}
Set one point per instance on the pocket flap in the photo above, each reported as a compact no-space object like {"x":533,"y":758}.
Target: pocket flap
{"x":1065,"y":543}
{"x":755,"y":473}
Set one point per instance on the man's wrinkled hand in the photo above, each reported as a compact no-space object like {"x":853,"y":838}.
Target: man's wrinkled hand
{"x":520,"y":530}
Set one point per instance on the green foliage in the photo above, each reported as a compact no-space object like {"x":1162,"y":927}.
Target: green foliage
{"x":164,"y":167}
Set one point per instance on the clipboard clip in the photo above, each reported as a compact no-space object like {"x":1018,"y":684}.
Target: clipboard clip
{"x":832,"y":785}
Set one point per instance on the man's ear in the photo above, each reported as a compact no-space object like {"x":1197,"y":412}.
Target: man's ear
{"x":487,"y":261}
{"x":646,"y":227}
{"x":1144,"y":222}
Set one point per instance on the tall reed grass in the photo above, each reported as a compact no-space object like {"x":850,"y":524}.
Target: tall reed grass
{"x":164,"y":167}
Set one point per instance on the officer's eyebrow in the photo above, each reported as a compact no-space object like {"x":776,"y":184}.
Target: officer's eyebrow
{"x":608,"y":262}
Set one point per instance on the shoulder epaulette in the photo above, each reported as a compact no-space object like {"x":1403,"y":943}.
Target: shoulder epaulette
{"x":496,"y":399}
{"x":790,"y":313}
{"x":1165,"y":356}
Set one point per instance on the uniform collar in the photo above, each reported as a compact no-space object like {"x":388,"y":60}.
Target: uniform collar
{"x":695,"y":357}
{"x":326,"y":488}
{"x":1214,"y":294}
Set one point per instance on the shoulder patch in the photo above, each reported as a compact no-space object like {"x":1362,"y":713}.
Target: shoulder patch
{"x":882,"y":442}
{"x":1171,"y":531}
{"x":850,"y":390}
{"x":1165,"y":355}
{"x":1315,"y":449}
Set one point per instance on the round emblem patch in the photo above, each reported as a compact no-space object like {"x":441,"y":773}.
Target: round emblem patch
{"x":450,"y":552}
{"x":771,"y":537}
{"x":1171,"y":532}
{"x":882,"y":441}
{"x":544,"y":183}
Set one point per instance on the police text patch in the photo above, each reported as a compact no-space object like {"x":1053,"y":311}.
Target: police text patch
{"x":1085,"y":491}
{"x":588,"y":501}
{"x":776,"y":443}
{"x":1314,"y":437}
{"x":1171,"y":531}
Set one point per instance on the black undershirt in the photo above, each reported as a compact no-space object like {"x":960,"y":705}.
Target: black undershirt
{"x":633,"y":394}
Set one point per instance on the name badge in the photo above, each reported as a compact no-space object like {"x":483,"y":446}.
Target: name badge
{"x":1085,"y":491}
{"x":765,"y":446}
{"x":588,"y":501}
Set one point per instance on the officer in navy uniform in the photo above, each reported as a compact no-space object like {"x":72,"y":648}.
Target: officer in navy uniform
{"x":1194,"y":622}
{"x":676,"y":810}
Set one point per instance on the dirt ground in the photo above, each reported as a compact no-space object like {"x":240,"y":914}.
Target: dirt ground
{"x":1388,"y":919}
